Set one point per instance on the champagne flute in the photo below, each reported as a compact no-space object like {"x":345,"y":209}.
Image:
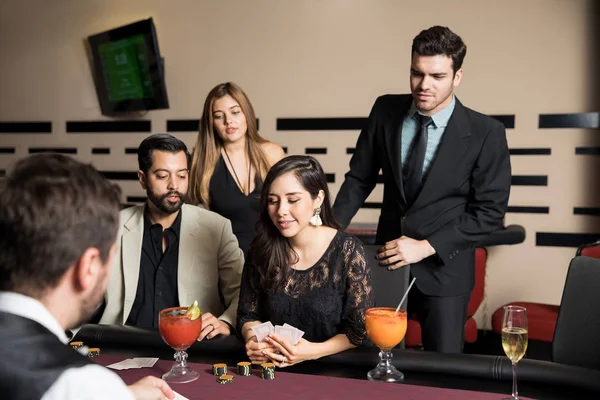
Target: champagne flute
{"x":514,"y":339}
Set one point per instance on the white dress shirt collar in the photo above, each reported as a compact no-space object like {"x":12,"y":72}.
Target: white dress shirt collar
{"x":28,"y":307}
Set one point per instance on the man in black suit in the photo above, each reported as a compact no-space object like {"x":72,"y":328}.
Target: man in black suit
{"x":446,"y":175}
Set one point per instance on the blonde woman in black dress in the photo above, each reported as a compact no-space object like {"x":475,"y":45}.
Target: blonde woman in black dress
{"x":230,"y":160}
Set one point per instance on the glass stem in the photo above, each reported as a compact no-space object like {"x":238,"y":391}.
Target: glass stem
{"x":515,"y":394}
{"x":181,"y":359}
{"x":386,"y":358}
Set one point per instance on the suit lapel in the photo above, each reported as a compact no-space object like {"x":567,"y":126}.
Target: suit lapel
{"x":132,"y":253}
{"x":452,"y":148}
{"x":187,"y":247}
{"x":393,"y":141}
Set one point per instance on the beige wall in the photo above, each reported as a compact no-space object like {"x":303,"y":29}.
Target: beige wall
{"x":332,"y":58}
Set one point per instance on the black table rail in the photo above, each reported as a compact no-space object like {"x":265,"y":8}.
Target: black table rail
{"x":542,"y":379}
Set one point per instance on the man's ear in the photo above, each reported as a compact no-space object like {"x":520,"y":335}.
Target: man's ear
{"x":457,"y":78}
{"x":142,"y":178}
{"x":87,"y":269}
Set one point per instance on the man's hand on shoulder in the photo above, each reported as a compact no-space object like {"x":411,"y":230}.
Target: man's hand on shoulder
{"x":403,"y":251}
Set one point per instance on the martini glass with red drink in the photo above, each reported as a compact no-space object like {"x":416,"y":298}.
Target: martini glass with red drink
{"x":180,"y":328}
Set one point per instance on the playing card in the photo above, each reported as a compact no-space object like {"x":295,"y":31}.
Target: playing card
{"x":138,"y":362}
{"x":179,"y":397}
{"x":297,"y":333}
{"x":286,"y":332}
{"x":261,"y":331}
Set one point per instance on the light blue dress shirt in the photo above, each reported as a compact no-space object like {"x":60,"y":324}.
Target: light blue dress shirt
{"x":435,"y":132}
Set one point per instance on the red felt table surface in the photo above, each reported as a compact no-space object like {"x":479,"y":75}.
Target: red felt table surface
{"x":289,"y":385}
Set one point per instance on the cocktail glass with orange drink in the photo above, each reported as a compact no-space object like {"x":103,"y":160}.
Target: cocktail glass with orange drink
{"x":179,"y":327}
{"x":386,"y":329}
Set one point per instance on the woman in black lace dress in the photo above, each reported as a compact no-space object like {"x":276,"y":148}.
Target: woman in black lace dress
{"x":302,"y":270}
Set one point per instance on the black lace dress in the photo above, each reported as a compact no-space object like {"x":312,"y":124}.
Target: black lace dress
{"x":329,"y":298}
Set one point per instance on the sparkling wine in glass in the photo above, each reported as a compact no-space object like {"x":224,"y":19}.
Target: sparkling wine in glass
{"x":386,"y":329}
{"x":514,"y":339}
{"x":179,"y":331}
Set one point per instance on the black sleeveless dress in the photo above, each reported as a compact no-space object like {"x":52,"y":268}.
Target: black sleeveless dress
{"x":228,"y":200}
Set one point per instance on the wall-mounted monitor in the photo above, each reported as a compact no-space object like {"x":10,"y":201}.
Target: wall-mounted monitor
{"x":128,"y":70}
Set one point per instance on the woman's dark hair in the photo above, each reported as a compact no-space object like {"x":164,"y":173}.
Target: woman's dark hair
{"x":440,"y":40}
{"x":270,"y":252}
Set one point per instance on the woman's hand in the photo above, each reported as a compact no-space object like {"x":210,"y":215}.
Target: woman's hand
{"x":287,"y":354}
{"x":211,"y":327}
{"x":255,"y":350}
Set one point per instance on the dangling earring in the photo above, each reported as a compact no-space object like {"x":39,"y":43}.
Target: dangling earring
{"x":316,"y":218}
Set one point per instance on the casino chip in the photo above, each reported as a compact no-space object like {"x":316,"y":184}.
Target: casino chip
{"x":267,"y":371}
{"x":76,"y":345}
{"x":223,"y":379}
{"x":93,"y":352}
{"x":244,"y":368}
{"x":219,"y":369}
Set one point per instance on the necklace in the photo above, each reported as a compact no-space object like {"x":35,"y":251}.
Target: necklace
{"x":235,"y":173}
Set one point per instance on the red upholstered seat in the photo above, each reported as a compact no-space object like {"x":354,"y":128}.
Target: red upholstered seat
{"x":413,"y":330}
{"x":541,"y":319}
{"x":589,"y":250}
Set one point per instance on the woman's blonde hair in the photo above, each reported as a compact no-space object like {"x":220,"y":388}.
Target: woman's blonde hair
{"x":209,"y":144}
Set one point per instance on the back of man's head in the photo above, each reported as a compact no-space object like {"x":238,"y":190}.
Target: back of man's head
{"x":160,"y":142}
{"x":440,"y":40}
{"x":52,"y":208}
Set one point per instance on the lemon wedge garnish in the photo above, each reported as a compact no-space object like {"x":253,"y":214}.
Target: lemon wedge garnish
{"x":193,"y":312}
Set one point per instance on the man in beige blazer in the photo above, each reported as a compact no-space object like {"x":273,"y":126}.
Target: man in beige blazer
{"x":207,"y":266}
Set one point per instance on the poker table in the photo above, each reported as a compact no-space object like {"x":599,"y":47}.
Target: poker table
{"x":427,"y":375}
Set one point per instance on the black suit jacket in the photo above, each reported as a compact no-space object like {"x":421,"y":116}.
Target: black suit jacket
{"x":463,"y":197}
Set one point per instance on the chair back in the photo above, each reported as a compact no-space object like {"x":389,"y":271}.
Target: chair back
{"x":479,"y":288}
{"x":578,"y":325}
{"x":388,"y":286}
{"x":589,"y":250}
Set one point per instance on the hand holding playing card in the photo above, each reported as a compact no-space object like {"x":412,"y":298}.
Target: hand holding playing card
{"x":287,"y":354}
{"x":255,"y":350}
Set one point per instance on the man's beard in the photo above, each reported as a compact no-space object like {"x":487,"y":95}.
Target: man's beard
{"x":164,"y":205}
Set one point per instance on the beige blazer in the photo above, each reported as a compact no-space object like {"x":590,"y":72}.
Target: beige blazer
{"x":210,"y":264}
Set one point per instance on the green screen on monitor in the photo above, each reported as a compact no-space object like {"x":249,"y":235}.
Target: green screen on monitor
{"x":126,"y":69}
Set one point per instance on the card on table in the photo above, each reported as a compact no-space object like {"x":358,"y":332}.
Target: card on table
{"x":137,"y":362}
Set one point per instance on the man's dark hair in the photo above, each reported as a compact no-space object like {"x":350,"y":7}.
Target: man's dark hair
{"x":52,"y":208}
{"x":162,"y":142}
{"x":439,"y":40}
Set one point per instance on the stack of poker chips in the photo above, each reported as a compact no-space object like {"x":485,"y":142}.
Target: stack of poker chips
{"x":93,"y":352}
{"x":76,"y":345}
{"x":223,"y":379}
{"x":267,"y":371}
{"x":219,"y":369}
{"x":244,"y":368}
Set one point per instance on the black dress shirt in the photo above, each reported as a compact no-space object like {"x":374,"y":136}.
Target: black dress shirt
{"x":157,"y":282}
